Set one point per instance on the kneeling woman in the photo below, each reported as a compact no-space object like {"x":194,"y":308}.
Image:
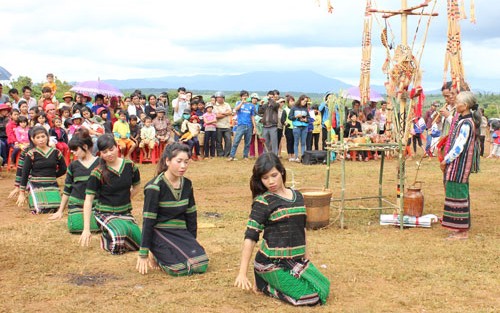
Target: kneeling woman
{"x":77,"y":176}
{"x":170,"y":220}
{"x":41,"y":168}
{"x":282,"y":268}
{"x":114,"y":183}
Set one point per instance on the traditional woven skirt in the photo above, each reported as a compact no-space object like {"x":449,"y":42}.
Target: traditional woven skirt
{"x":456,"y":214}
{"x":120,"y":232}
{"x":292,"y":281}
{"x":178,"y":253}
{"x":75,"y":216}
{"x":44,"y":195}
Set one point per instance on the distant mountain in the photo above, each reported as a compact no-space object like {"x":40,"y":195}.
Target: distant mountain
{"x":293,"y":81}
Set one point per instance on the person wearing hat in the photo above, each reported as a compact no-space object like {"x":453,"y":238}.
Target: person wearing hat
{"x":76,"y":124}
{"x":246,"y":127}
{"x":67,"y":100}
{"x":162,"y":127}
{"x":4,"y":120}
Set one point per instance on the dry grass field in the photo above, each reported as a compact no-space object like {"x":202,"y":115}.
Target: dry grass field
{"x":372,"y":268}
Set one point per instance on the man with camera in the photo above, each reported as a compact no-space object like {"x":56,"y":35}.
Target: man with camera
{"x":269,"y":112}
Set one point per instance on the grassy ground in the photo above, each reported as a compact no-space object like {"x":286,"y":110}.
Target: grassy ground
{"x":372,"y":268}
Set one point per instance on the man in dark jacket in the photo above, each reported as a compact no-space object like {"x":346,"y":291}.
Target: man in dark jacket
{"x":269,"y":113}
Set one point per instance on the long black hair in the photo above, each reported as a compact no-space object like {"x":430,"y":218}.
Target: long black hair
{"x":106,"y":141}
{"x":171,"y":151}
{"x":80,"y":139}
{"x":266,"y":162}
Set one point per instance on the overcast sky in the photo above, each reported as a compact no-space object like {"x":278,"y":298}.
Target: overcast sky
{"x":83,"y":40}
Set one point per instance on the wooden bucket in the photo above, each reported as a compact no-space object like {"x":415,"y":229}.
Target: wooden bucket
{"x":317,"y":202}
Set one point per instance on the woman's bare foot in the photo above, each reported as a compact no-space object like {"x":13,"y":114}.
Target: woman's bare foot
{"x":459,"y":235}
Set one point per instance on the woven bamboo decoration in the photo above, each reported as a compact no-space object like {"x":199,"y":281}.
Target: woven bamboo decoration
{"x":364,"y":79}
{"x":453,"y":57}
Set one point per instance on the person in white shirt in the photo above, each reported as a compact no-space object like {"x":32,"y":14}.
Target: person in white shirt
{"x":179,"y":104}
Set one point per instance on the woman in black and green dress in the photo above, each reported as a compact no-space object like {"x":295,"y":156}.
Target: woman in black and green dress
{"x":282,"y":268}
{"x":77,"y":176}
{"x":170,"y":221}
{"x":112,"y":184}
{"x":41,"y":168}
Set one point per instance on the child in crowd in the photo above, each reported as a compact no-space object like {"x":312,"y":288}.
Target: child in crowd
{"x":121,"y":130}
{"x":142,"y":118}
{"x":42,"y":121}
{"x":46,"y":98}
{"x":42,"y":166}
{"x":51,"y":84}
{"x":189,"y":132}
{"x":32,"y":116}
{"x":10,"y":129}
{"x":108,"y":126}
{"x":60,"y":135}
{"x":148,"y":138}
{"x":22,"y":139}
{"x":209,"y":120}
{"x":495,"y":136}
{"x":316,"y":126}
{"x":65,"y":114}
{"x":76,"y":123}
{"x":135,"y":130}
{"x":417,"y":131}
{"x":200,"y":111}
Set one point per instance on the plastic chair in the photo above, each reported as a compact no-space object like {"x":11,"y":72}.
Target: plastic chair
{"x":11,"y":165}
{"x":153,"y":159}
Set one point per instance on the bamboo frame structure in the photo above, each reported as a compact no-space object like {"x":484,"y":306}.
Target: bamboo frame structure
{"x":343,"y":148}
{"x":401,"y":75}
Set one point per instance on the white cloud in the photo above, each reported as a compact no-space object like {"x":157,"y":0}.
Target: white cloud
{"x":80,"y":40}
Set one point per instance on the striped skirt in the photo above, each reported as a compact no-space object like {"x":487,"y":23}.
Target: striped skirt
{"x":456,"y":214}
{"x":178,"y":253}
{"x":120,"y":232}
{"x":75,"y":216}
{"x":292,"y":281}
{"x":44,"y":196}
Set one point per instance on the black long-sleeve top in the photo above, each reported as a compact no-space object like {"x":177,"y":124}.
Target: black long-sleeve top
{"x":166,"y":207}
{"x":42,"y":166}
{"x":283,"y":222}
